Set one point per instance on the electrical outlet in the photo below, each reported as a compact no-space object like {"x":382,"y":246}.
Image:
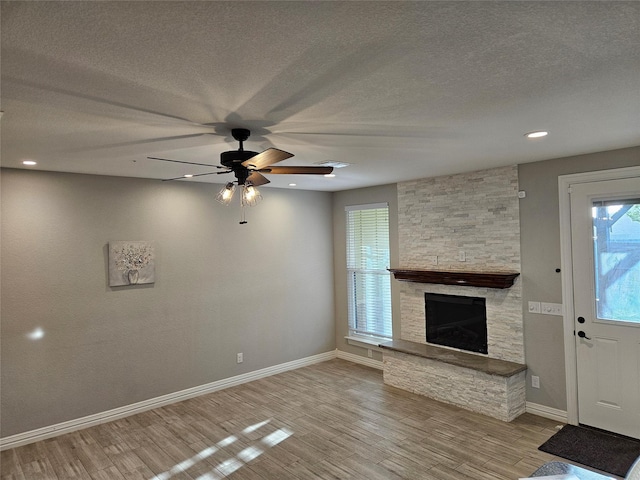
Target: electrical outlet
{"x":369,"y":353}
{"x":534,"y":307}
{"x":432,"y":259}
{"x":239,"y":358}
{"x":462,"y":257}
{"x":535,"y":381}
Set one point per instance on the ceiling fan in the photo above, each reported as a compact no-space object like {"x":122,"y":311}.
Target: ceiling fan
{"x":248,"y":166}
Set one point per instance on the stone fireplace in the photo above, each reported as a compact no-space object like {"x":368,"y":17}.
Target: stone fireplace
{"x":475,"y":215}
{"x":504,"y":316}
{"x":467,"y":222}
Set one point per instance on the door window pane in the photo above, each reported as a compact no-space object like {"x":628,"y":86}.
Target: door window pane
{"x":616,"y":233}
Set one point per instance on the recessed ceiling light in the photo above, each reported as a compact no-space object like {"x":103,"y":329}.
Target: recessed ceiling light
{"x":292,"y":184}
{"x":188,"y":175}
{"x":537,"y":134}
{"x":29,"y":162}
{"x":330,"y":175}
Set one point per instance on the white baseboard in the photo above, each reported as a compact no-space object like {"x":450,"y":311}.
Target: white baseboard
{"x":121,"y":412}
{"x":127,"y":410}
{"x":547,"y":412}
{"x":369,"y":362}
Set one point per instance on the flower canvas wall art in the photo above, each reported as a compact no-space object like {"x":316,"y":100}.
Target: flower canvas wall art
{"x":131,"y":263}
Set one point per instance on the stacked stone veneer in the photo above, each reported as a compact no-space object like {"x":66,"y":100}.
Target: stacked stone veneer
{"x":493,"y":395}
{"x":477,"y":213}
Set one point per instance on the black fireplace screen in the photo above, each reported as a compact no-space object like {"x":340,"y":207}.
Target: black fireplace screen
{"x":456,"y":321}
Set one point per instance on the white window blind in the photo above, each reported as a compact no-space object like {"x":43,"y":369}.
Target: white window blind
{"x":369,"y":281}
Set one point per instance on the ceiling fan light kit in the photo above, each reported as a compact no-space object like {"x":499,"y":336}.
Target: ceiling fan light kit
{"x":225,"y":195}
{"x":248,"y":167}
{"x":250,"y":195}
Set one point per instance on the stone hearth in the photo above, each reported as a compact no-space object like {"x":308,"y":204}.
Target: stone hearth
{"x":484,"y":385}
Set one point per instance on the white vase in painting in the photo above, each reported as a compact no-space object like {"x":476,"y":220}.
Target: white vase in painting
{"x":133,"y":276}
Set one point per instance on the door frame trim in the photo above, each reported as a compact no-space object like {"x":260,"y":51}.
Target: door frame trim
{"x":566,"y":255}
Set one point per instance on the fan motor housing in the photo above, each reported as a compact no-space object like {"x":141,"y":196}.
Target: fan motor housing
{"x":234,"y":157}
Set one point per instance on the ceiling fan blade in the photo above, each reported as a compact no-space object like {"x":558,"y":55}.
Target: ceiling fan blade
{"x":298,"y":170}
{"x":192,"y":176}
{"x":266,"y":158}
{"x":186,"y":163}
{"x":257,"y":179}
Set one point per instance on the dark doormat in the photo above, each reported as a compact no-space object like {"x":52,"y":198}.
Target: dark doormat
{"x":601,"y":450}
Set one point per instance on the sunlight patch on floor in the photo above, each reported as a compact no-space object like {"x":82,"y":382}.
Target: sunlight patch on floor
{"x":231,"y":464}
{"x":254,"y":427}
{"x":276,"y":437}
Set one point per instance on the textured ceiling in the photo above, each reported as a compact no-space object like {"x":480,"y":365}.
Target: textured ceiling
{"x":400,"y":90}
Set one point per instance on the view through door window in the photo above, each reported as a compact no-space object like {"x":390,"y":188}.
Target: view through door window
{"x":616,"y":233}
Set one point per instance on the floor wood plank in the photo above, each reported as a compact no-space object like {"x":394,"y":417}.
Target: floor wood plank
{"x":332,"y":420}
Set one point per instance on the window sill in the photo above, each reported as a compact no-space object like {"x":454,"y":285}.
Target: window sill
{"x":366,"y":342}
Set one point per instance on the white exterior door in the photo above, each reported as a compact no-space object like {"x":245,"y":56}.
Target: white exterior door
{"x":605,"y":242}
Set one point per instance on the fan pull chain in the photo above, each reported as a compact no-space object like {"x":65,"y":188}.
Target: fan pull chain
{"x":242,"y":217}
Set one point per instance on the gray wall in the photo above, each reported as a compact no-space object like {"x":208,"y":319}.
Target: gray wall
{"x":361,"y":196}
{"x":540,"y":255}
{"x":264,"y":289}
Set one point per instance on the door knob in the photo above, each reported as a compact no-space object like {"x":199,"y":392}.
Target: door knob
{"x":581,"y":334}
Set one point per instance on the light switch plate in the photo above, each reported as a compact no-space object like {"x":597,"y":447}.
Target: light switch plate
{"x":551,"y":308}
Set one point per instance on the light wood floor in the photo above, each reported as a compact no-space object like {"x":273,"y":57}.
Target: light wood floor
{"x":331,"y":420}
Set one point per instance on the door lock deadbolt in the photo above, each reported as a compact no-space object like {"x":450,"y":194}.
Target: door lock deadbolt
{"x":581,"y":320}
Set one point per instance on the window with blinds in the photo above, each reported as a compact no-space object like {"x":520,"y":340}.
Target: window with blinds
{"x":369,"y":281}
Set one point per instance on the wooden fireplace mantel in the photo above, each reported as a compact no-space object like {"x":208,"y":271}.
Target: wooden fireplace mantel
{"x":462,"y":278}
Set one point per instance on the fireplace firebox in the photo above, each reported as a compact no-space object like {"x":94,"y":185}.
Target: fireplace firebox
{"x":456,"y":321}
